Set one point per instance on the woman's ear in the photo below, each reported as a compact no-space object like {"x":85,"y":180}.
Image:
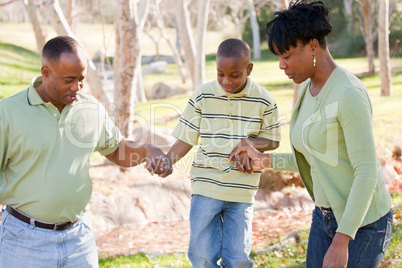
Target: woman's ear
{"x":314,"y":44}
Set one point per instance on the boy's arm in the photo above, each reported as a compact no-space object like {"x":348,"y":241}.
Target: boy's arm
{"x":261,"y":144}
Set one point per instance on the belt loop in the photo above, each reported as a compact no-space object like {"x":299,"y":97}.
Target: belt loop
{"x":32,"y":223}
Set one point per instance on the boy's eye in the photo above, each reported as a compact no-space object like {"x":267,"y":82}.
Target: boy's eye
{"x":222,"y":75}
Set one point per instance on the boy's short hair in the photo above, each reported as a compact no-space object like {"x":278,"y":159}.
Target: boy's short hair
{"x":234,"y":48}
{"x":53,"y":49}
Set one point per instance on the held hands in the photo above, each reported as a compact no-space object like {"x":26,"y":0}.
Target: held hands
{"x":248,"y":159}
{"x":158,"y":163}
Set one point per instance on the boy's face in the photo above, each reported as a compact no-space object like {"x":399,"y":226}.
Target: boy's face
{"x":233,"y":72}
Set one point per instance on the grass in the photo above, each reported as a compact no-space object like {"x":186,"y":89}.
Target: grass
{"x":291,"y":255}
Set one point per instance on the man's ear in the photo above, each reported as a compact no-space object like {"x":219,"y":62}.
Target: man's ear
{"x":250,"y":68}
{"x":45,"y":71}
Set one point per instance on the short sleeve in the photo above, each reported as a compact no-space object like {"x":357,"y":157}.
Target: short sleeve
{"x":188,"y":128}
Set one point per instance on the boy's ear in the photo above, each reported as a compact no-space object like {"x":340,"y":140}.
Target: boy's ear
{"x":250,"y":68}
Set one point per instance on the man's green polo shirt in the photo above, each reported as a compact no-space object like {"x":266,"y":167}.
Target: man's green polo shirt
{"x":45,"y":155}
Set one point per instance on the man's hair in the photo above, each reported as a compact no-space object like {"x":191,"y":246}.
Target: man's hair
{"x":234,"y":48}
{"x":53,"y":48}
{"x":302,"y":22}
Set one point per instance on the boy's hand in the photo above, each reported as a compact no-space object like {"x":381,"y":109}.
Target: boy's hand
{"x":259,"y":161}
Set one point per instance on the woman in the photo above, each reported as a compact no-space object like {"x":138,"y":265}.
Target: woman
{"x":332,"y":144}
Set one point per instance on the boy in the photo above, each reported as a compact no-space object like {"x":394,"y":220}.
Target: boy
{"x":224,"y":114}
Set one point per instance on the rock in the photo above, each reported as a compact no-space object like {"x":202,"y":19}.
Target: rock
{"x":147,"y":59}
{"x":162,"y":91}
{"x":156,"y":67}
{"x":100,"y":54}
{"x":168,"y":59}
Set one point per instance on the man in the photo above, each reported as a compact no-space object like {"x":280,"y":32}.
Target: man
{"x":48,"y":133}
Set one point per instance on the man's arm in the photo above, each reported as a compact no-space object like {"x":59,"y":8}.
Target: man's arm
{"x":131,"y":153}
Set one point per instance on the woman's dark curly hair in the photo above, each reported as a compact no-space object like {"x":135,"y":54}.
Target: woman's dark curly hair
{"x":302,"y":22}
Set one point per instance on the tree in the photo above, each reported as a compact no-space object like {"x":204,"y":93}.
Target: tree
{"x":368,"y":8}
{"x":186,"y":36}
{"x":157,"y":18}
{"x":40,"y":36}
{"x":130,"y":22}
{"x":59,"y":23}
{"x":194,"y":54}
{"x":255,"y":29}
{"x":383,"y":48}
{"x":202,"y":23}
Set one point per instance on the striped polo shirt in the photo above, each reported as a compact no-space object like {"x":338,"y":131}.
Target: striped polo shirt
{"x":218,"y":121}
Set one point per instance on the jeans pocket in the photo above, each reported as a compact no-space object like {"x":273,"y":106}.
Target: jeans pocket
{"x":388,"y":233}
{"x":12,"y":228}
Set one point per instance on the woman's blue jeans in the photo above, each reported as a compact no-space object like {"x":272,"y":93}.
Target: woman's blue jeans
{"x":220,"y":230}
{"x":366,"y":250}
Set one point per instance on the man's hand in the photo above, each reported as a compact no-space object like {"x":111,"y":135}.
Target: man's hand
{"x":337,"y":254}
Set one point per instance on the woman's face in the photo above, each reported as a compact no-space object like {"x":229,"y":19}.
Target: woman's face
{"x":297,"y":62}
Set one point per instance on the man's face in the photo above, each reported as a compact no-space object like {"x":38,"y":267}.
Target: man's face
{"x":63,"y":79}
{"x":232,"y":73}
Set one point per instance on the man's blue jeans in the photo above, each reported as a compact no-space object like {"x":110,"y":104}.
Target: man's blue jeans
{"x":220,"y":230}
{"x":23,"y":245}
{"x":366,"y":250}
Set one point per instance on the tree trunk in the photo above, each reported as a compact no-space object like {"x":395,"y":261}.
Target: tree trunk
{"x":59,"y":23}
{"x":125,"y":78}
{"x":202,"y":24}
{"x":255,"y":29}
{"x":367,"y":6}
{"x":173,"y":47}
{"x":383,"y":49}
{"x":70,"y":14}
{"x":348,"y":14}
{"x":186,"y":36}
{"x":129,"y":26}
{"x":39,"y":35}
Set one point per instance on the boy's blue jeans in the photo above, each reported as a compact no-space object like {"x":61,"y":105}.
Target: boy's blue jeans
{"x":24,"y":245}
{"x":220,"y":230}
{"x":366,"y":250}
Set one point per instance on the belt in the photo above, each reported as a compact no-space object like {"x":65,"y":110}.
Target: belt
{"x":325,"y":211}
{"x":53,"y":226}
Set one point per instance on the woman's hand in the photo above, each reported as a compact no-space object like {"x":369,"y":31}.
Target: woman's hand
{"x":259,"y":161}
{"x":337,"y":254}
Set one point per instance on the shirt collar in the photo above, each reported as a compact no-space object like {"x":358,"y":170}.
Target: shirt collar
{"x":34,"y":97}
{"x":245,"y":92}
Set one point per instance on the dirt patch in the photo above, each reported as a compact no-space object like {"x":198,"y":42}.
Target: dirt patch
{"x":133,"y":212}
